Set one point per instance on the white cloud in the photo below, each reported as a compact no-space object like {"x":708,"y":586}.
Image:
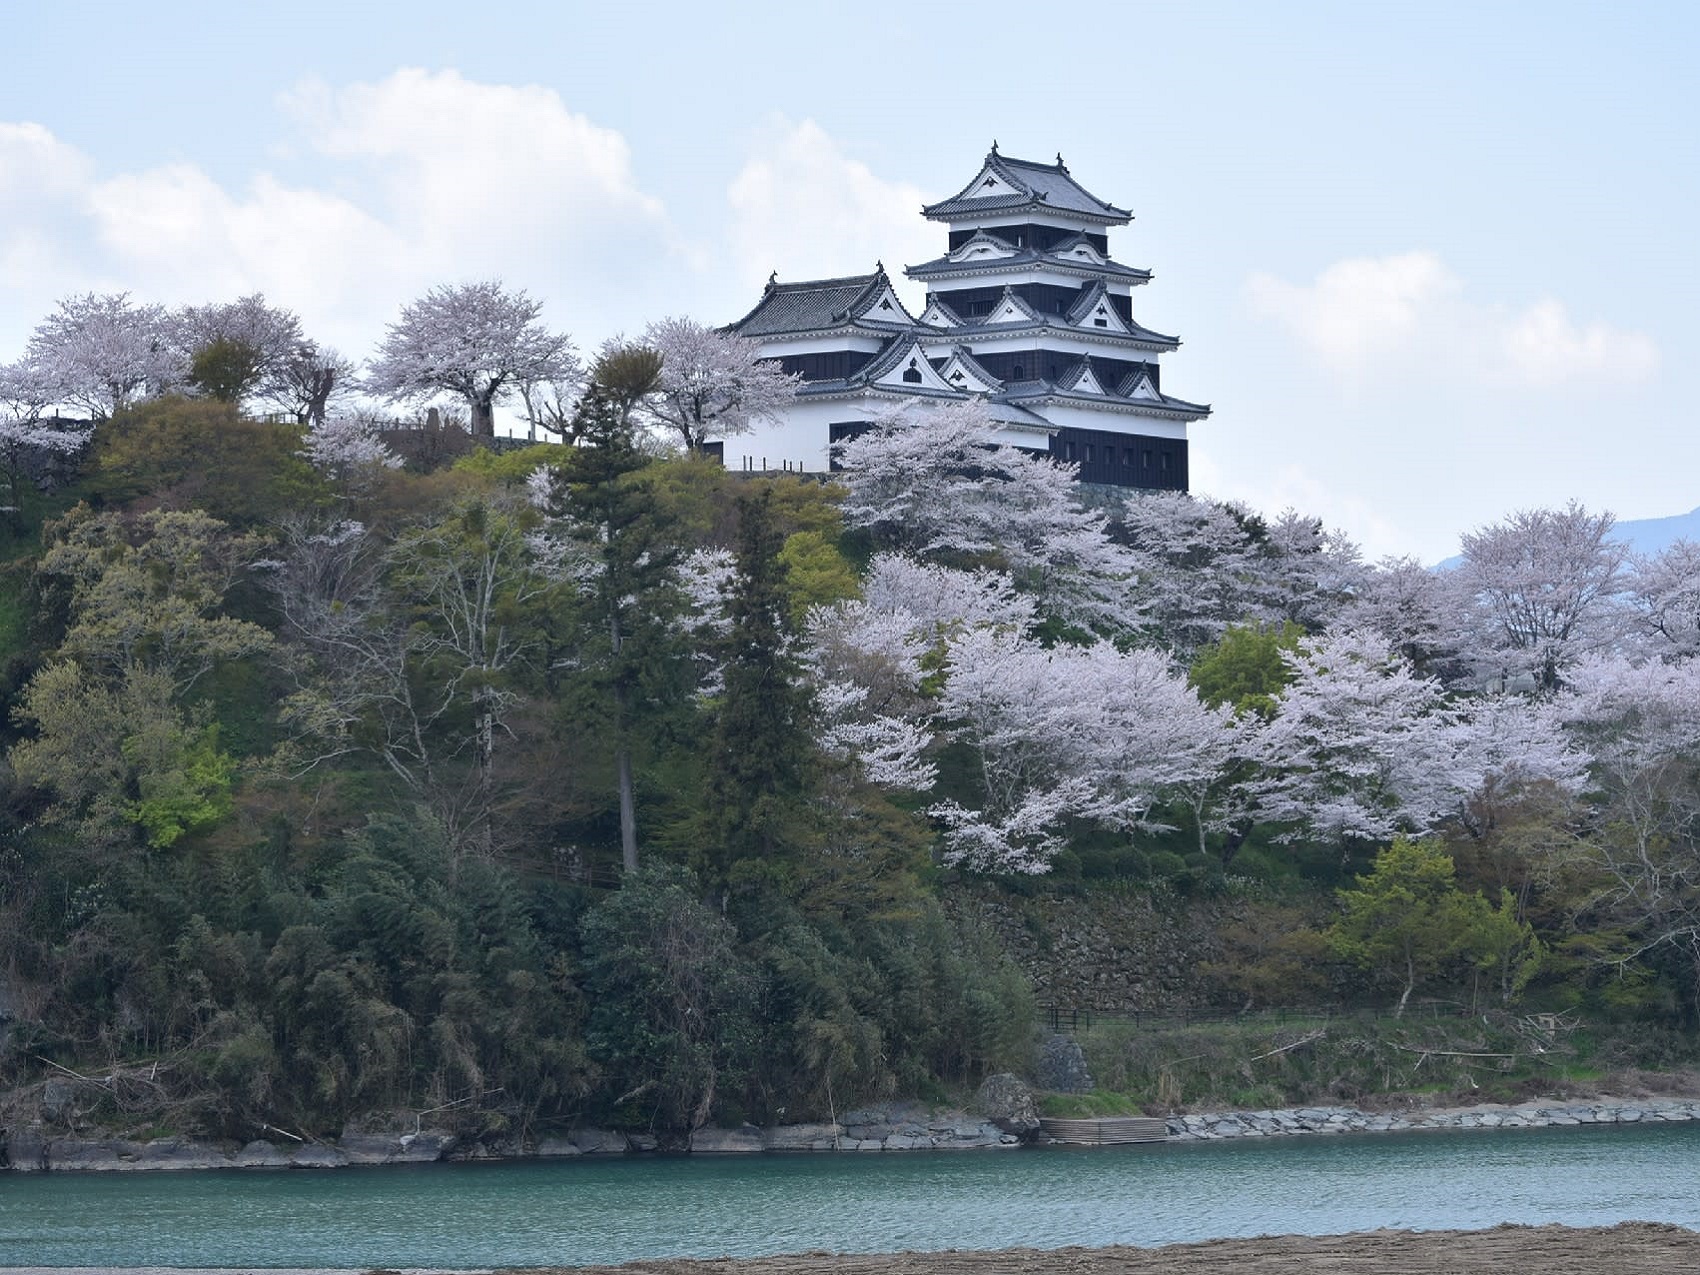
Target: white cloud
{"x":802,"y":206}
{"x":1404,"y":315}
{"x":1358,"y":309}
{"x":420,"y":178}
{"x":1542,"y":346}
{"x":458,"y":158}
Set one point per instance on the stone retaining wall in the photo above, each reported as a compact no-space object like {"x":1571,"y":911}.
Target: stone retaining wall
{"x":1322,"y":1120}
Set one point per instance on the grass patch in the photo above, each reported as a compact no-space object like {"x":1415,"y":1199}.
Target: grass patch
{"x":1344,"y":1060}
{"x":1080,"y":1106}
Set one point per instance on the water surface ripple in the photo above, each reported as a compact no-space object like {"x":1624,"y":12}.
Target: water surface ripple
{"x":594,"y":1210}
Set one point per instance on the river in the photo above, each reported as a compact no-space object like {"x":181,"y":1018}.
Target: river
{"x":595,"y":1210}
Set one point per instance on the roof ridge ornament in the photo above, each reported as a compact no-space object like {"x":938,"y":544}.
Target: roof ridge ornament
{"x":1062,"y":166}
{"x":773,"y":281}
{"x":994,"y":146}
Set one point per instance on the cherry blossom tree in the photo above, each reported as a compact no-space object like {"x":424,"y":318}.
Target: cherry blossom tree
{"x":1498,"y":748}
{"x":26,"y":436}
{"x":1423,"y":614}
{"x":1197,"y":573}
{"x":348,"y":451}
{"x":1067,"y":732}
{"x":1667,"y":598}
{"x":1358,"y":747}
{"x":1641,"y":861}
{"x":1547,"y":583}
{"x":925,"y":481}
{"x":1306,"y":571}
{"x":713,"y":384}
{"x":477,"y":341}
{"x":100,"y":353}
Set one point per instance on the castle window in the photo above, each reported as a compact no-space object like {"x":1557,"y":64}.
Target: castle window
{"x":1148,"y":458}
{"x":1101,"y":323}
{"x":912,"y":374}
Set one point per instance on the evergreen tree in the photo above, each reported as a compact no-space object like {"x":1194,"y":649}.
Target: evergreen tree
{"x":610,"y":513}
{"x":759,"y":759}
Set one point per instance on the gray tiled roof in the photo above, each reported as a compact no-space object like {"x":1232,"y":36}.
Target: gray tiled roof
{"x":1025,"y":183}
{"x":940,"y":266}
{"x":969,"y":331}
{"x":808,"y":306}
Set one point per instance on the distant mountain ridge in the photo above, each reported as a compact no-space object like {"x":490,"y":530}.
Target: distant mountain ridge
{"x":1644,"y":535}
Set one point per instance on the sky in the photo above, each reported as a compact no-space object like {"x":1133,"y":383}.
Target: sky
{"x":1430,"y":263}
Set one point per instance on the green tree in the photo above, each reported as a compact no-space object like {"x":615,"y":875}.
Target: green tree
{"x":1407,"y":919}
{"x":226,"y":368}
{"x":114,"y":737}
{"x":1244,"y":668}
{"x":761,"y":752}
{"x":199,"y":453}
{"x":627,"y":646}
{"x":673,"y":1008}
{"x":118,"y":755}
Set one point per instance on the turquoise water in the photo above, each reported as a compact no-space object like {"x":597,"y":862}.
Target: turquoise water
{"x":585,"y":1211}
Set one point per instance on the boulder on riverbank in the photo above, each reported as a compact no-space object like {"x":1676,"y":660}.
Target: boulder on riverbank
{"x":1007,"y":1101}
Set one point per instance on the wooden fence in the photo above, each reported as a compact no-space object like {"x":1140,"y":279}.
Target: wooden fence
{"x":1104,"y":1131}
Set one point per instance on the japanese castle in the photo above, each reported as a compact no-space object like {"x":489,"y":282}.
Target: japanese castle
{"x":1026,"y":310}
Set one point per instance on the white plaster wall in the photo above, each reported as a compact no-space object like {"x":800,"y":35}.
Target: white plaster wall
{"x":800,"y":440}
{"x":819,"y":345}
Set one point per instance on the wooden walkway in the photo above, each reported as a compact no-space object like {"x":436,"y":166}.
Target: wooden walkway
{"x":1104,"y":1131}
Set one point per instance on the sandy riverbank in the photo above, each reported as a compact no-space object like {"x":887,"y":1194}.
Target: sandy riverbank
{"x":1632,"y":1248}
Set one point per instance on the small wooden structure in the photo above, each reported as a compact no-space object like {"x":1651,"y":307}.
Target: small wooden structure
{"x":1104,"y":1131}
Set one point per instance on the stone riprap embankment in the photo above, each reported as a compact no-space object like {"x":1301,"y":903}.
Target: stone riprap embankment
{"x":1209,"y":1126}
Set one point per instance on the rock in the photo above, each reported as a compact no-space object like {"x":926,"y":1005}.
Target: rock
{"x":803,"y":1137}
{"x":260,"y":1154}
{"x":642,"y":1142}
{"x":908,"y":1142}
{"x":1062,"y":1066}
{"x":556,"y":1147}
{"x":599,"y":1142}
{"x":317,"y":1156}
{"x":56,"y":1098}
{"x":26,"y":1150}
{"x":1007,"y":1101}
{"x":117,"y":1155}
{"x":425,"y":1147}
{"x":712,"y":1141}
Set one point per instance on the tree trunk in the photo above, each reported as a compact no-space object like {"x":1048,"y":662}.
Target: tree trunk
{"x":483,"y":419}
{"x":623,"y":756}
{"x":628,"y":812}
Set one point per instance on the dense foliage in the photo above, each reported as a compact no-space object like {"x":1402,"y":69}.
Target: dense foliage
{"x":587,"y":780}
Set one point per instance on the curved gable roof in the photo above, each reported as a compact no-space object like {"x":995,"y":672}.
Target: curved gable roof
{"x":1005,"y":185}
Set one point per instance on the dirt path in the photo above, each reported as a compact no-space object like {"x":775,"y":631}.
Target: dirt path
{"x":1632,"y":1248}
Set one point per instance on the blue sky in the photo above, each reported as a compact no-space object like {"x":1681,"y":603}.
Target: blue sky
{"x":1431,"y":263}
